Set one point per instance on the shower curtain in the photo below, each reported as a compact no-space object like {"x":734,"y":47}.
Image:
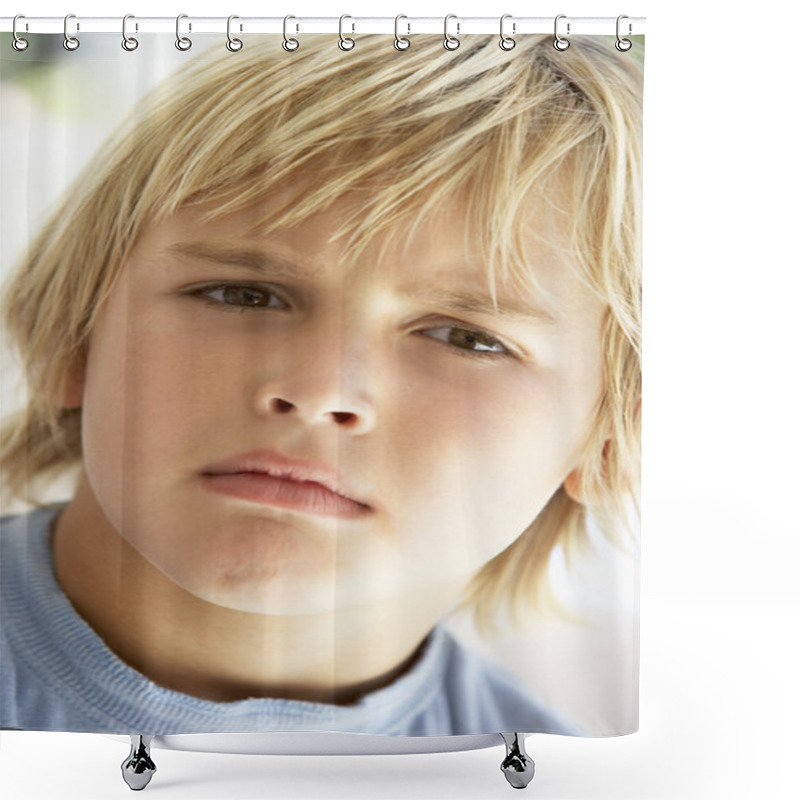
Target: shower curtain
{"x":321,"y":384}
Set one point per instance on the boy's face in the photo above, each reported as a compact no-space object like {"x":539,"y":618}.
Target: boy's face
{"x":401,"y":434}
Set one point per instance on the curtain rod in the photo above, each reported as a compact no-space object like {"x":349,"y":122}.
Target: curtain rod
{"x":629,"y":26}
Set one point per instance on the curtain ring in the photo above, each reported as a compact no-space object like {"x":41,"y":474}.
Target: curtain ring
{"x":128,"y":42}
{"x":289,"y":45}
{"x":560,"y":43}
{"x":70,"y":42}
{"x":234,"y":45}
{"x":18,"y":43}
{"x":507,"y":42}
{"x":345,"y":42}
{"x":182,"y":42}
{"x":623,"y":45}
{"x":451,"y":42}
{"x":400,"y":42}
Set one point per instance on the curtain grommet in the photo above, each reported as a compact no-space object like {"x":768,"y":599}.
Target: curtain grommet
{"x":623,"y":45}
{"x":17,"y":42}
{"x":70,"y":43}
{"x":129,"y":43}
{"x":451,"y":42}
{"x":183,"y":43}
{"x":561,"y":43}
{"x":400,"y":42}
{"x":289,"y":44}
{"x":233,"y":45}
{"x":345,"y":42}
{"x":507,"y":42}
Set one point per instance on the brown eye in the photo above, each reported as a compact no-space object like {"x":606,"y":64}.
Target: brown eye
{"x":241,"y":297}
{"x":467,"y":340}
{"x":472,"y":340}
{"x":244,"y":296}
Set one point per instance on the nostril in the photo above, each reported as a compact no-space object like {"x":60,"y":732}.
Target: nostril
{"x":348,"y":419}
{"x":281,"y":406}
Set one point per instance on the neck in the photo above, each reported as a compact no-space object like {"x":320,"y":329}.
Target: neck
{"x":184,"y":643}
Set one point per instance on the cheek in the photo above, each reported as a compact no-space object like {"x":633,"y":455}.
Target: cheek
{"x":476,"y":464}
{"x":505,"y":420}
{"x":150,"y":392}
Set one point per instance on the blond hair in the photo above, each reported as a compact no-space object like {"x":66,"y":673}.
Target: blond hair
{"x":404,"y":132}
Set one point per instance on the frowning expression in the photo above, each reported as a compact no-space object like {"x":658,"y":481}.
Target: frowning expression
{"x":280,"y":429}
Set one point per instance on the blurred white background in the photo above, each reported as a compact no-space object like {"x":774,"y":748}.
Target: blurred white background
{"x":720,"y":605}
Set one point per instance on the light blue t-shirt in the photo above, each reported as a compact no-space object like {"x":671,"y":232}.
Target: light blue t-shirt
{"x":57,"y":674}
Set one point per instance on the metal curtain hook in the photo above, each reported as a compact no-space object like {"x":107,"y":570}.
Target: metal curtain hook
{"x":507,"y":42}
{"x":345,"y":42}
{"x":400,"y":42}
{"x":289,"y":44}
{"x":234,"y":45}
{"x":623,"y":45}
{"x":18,"y":43}
{"x":560,"y":42}
{"x":182,"y":42}
{"x":70,"y":42}
{"x":451,"y":42}
{"x":128,"y":42}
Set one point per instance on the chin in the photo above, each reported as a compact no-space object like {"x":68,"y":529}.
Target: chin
{"x":263,"y":594}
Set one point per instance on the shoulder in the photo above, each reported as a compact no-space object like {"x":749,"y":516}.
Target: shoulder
{"x":25,"y":577}
{"x":20,"y":538}
{"x":24,"y":539}
{"x":35,"y":520}
{"x":14,"y":566}
{"x":483,"y":696}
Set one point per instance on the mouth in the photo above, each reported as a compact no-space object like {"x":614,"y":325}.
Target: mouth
{"x":273,"y":479}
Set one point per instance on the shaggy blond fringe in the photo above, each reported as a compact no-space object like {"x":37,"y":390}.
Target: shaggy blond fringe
{"x":404,"y":133}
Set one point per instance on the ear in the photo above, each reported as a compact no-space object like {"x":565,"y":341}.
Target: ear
{"x":70,"y":392}
{"x":573,"y":481}
{"x":572,"y":484}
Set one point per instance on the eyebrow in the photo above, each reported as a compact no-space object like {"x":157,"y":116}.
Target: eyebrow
{"x":478,"y":303}
{"x":261,"y":263}
{"x":254,"y":261}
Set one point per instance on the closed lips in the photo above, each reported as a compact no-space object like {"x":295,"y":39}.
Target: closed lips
{"x":275,"y":479}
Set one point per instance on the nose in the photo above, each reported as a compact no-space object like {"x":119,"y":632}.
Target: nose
{"x":327,"y":388}
{"x":355,"y":421}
